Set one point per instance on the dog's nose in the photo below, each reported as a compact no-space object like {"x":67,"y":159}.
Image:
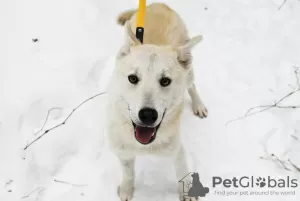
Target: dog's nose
{"x":148,"y":115}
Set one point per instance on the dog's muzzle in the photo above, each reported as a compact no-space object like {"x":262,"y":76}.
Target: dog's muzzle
{"x":145,"y":134}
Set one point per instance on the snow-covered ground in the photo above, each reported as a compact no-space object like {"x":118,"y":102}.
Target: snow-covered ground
{"x":247,"y":58}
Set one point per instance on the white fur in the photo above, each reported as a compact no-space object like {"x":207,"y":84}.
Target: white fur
{"x":149,"y":62}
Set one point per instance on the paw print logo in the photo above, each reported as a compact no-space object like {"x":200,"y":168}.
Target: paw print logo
{"x":261,"y":182}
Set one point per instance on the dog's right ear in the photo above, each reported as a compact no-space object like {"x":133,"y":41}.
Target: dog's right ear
{"x":130,"y":41}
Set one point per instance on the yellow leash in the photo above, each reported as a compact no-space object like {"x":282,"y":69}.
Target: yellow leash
{"x":140,"y":21}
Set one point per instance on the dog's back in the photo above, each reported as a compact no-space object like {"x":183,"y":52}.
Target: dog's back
{"x":163,"y":26}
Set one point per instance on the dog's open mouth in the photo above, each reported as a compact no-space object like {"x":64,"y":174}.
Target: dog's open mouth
{"x":145,"y":135}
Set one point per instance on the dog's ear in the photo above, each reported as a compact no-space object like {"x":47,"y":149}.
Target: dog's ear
{"x":130,"y":41}
{"x":184,"y":51}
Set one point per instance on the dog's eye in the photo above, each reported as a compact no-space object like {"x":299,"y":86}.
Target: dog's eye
{"x":165,"y":81}
{"x":133,"y":79}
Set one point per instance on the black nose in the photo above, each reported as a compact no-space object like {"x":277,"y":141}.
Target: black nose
{"x":148,"y":116}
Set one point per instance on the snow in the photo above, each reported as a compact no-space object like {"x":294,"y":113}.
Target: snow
{"x":247,"y":58}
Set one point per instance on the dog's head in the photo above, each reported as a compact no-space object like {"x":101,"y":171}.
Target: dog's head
{"x":151,"y":81}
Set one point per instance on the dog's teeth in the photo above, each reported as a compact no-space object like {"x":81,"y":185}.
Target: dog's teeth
{"x":152,"y":134}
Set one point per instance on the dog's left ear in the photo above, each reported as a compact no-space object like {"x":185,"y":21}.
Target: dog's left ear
{"x":184,"y":51}
{"x":130,"y":41}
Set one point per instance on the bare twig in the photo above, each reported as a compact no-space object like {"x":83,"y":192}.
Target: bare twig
{"x":294,"y":137}
{"x":272,"y":156}
{"x":276,"y":103}
{"x":267,"y":107}
{"x":62,"y":123}
{"x":297,"y":76}
{"x":288,"y":107}
{"x":40,"y":190}
{"x":282,"y":4}
{"x":285,"y":164}
{"x":281,"y":162}
{"x":48,"y":114}
{"x":74,"y":185}
{"x":8,"y":182}
{"x":296,"y":167}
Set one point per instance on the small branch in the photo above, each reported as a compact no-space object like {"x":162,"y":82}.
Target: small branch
{"x":296,"y":167}
{"x":275,"y":105}
{"x":48,"y":114}
{"x":62,"y":123}
{"x":282,"y":4}
{"x":26,"y":196}
{"x":297,"y":76}
{"x":273,"y":157}
{"x":265,"y":108}
{"x":281,"y":162}
{"x":8,"y":182}
{"x":294,"y":137}
{"x":74,"y":185}
{"x":288,"y":107}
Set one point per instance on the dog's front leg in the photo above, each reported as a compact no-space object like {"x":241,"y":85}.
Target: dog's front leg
{"x":198,"y":106}
{"x":182,"y":170}
{"x":126,"y":188}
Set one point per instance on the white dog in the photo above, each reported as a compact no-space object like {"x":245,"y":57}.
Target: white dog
{"x":146,"y":92}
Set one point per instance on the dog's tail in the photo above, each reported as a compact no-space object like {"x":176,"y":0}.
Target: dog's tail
{"x":125,"y":16}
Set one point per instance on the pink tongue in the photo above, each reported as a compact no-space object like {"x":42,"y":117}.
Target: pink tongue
{"x":144,"y":134}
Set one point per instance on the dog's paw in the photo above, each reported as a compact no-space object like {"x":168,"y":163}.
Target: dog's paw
{"x":200,"y":110}
{"x":125,"y":192}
